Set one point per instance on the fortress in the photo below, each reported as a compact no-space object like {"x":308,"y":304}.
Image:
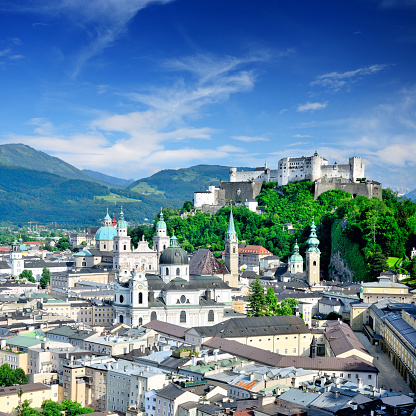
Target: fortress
{"x":244,"y":186}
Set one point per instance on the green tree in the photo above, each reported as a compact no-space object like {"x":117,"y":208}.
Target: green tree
{"x":288,"y":306}
{"x":8,"y":376}
{"x":333,"y":316}
{"x":378,"y":264}
{"x":24,"y":409}
{"x":45,"y":279}
{"x":84,"y":243}
{"x":51,"y":408}
{"x":75,"y":408}
{"x":63,"y":243}
{"x":187,"y":206}
{"x":271,"y":302}
{"x":256,"y":299}
{"x":27,"y":274}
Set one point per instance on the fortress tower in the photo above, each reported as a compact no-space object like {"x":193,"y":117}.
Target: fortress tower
{"x":313,"y":256}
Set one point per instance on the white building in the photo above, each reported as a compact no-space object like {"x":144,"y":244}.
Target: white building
{"x":173,"y":296}
{"x":295,"y":169}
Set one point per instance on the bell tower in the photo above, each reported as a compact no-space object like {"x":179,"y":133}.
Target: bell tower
{"x":231,"y":251}
{"x":313,"y":256}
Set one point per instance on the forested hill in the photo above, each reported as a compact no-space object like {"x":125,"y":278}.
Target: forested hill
{"x":379,"y":229}
{"x":180,"y":184}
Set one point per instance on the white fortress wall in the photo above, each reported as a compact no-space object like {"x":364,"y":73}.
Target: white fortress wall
{"x":203,"y":198}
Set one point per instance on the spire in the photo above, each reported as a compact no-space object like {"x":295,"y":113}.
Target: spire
{"x":107,"y":217}
{"x":121,"y":222}
{"x":231,"y":228}
{"x":313,"y":241}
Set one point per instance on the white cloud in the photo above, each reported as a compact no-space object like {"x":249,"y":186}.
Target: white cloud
{"x":104,"y":21}
{"x":338,"y":80}
{"x":249,"y":139}
{"x":311,"y":106}
{"x":301,"y":136}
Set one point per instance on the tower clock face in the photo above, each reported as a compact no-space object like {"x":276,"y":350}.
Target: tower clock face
{"x":140,"y":287}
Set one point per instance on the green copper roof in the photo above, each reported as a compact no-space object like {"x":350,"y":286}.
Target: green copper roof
{"x":107,"y":217}
{"x":231,"y":228}
{"x":121,"y":222}
{"x":174,"y":241}
{"x":313,"y":241}
{"x":296,"y":257}
{"x":161,"y":225}
{"x":105,"y":233}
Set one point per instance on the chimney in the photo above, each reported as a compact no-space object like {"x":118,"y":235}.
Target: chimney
{"x":360,"y":383}
{"x":336,"y":394}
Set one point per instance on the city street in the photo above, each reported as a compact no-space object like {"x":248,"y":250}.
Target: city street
{"x":389,"y":378}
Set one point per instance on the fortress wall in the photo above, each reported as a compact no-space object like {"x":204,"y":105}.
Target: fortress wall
{"x":202,"y":198}
{"x":241,"y":191}
{"x":336,"y":171}
{"x":246,"y":176}
{"x":369,"y":189}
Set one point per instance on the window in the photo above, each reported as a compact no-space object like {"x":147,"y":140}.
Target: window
{"x":153,"y":316}
{"x":285,"y":350}
{"x":182,"y":318}
{"x":167,"y":270}
{"x":140,"y":297}
{"x":178,"y":271}
{"x":211,"y":316}
{"x":121,"y":298}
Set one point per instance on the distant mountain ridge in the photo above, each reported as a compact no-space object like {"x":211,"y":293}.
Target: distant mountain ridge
{"x":29,"y":158}
{"x":112,"y":180}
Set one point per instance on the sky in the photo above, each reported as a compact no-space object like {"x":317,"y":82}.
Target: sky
{"x":130,"y":87}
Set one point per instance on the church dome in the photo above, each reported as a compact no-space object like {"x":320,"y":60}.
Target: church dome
{"x":105,"y":234}
{"x":174,"y":256}
{"x":161,"y":225}
{"x":296,"y":257}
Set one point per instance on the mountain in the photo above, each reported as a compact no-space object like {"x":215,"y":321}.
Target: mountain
{"x":411,"y":195}
{"x":180,"y":184}
{"x":111,"y":180}
{"x":29,"y":158}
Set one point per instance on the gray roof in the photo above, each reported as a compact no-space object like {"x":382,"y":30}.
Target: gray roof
{"x":403,"y":328}
{"x":297,"y":396}
{"x":342,"y":339}
{"x":166,"y":328}
{"x":171,"y":392}
{"x":174,"y":256}
{"x":255,"y":326}
{"x":238,"y":349}
{"x":203,"y":262}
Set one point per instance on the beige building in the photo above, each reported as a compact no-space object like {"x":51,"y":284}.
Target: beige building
{"x":286,"y":335}
{"x":359,"y":314}
{"x":400,"y":343}
{"x":15,"y":358}
{"x":62,"y":282}
{"x":36,"y":393}
{"x":371,"y":292}
{"x":103,"y":315}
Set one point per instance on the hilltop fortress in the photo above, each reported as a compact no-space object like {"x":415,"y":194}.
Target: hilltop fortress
{"x":244,"y":186}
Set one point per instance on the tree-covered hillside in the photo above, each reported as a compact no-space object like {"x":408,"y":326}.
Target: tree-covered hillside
{"x":376,"y":228}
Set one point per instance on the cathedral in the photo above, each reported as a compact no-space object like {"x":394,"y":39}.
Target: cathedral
{"x":172,"y":295}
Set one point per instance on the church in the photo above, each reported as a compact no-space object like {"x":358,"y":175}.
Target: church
{"x":173,"y":295}
{"x":311,"y":274}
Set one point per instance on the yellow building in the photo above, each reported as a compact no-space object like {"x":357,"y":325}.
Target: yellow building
{"x":359,"y":315}
{"x":286,"y":335}
{"x":371,"y":292}
{"x":400,"y":343}
{"x":14,"y":358}
{"x":36,"y":393}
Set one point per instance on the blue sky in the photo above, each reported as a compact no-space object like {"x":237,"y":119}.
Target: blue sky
{"x":129,"y":87}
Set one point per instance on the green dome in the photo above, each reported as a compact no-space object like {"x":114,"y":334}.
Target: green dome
{"x":313,"y":241}
{"x":121,"y":222}
{"x":161,"y":225}
{"x":105,"y":233}
{"x":296,"y":257}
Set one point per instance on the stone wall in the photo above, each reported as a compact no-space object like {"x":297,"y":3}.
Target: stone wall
{"x":239,"y":192}
{"x":368,"y":189}
{"x":339,"y":269}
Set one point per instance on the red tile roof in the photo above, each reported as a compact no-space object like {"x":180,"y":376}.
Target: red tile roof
{"x":259,"y":250}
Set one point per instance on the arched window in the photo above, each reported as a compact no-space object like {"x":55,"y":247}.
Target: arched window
{"x":121,"y":319}
{"x":153,"y":316}
{"x":178,"y":271}
{"x":182,"y":318}
{"x":116,"y":246}
{"x":211,"y":316}
{"x":140,"y":321}
{"x":105,"y":246}
{"x":140,"y":297}
{"x":125,"y":247}
{"x":121,"y":298}
{"x":314,"y":263}
{"x":234,"y":250}
{"x":164,"y":246}
{"x":167,"y":270}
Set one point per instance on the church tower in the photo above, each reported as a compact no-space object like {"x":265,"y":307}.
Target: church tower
{"x":161,"y":240}
{"x":231,"y":252}
{"x":313,"y":256}
{"x":296,"y":261}
{"x":121,"y":245}
{"x":16,"y":259}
